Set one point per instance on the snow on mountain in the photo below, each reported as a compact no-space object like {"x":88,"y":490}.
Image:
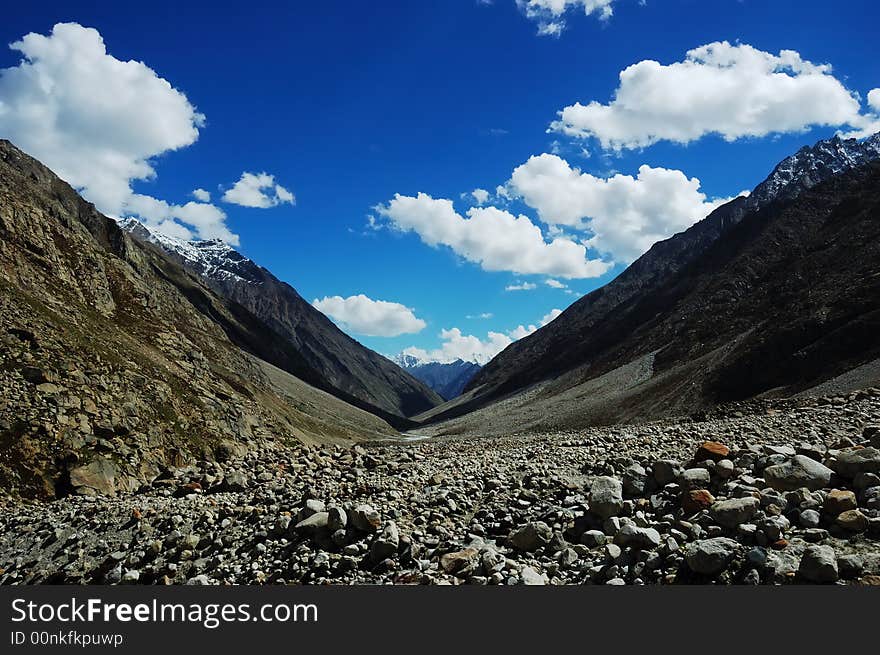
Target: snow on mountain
{"x":211,"y":258}
{"x":814,"y":164}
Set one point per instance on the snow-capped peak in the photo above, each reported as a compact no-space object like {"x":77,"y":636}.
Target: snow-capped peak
{"x":210,"y":258}
{"x":814,"y":164}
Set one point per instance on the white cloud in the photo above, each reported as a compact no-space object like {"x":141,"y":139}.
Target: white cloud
{"x":484,"y":316}
{"x":491,"y":237}
{"x":555,"y":284}
{"x":480,"y":196}
{"x":550,"y":14}
{"x":735,"y":91}
{"x":258,"y":190}
{"x":624,"y":215}
{"x":457,"y":345}
{"x":99,"y":122}
{"x":521,"y":286}
{"x":373,"y":318}
{"x":201,"y":195}
{"x":874,"y":99}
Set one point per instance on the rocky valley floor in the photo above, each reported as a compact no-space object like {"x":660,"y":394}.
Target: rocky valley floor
{"x":764,"y":493}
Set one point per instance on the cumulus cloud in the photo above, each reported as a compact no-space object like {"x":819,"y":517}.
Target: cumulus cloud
{"x":735,"y":91}
{"x":874,"y":99}
{"x":99,"y":123}
{"x":521,"y":286}
{"x":201,"y":195}
{"x":495,"y":239}
{"x":624,"y":215}
{"x":258,"y":190}
{"x":467,"y":347}
{"x":372,"y":318}
{"x":202,"y":220}
{"x":550,"y":14}
{"x":480,"y":196}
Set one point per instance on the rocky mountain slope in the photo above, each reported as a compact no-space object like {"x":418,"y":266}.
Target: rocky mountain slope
{"x":773,"y":293}
{"x":117,"y":363}
{"x":446,"y":378}
{"x":337,"y":363}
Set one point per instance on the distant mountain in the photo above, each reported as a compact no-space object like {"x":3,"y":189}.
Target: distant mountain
{"x":771,"y":293}
{"x":446,"y":378}
{"x":340,"y":364}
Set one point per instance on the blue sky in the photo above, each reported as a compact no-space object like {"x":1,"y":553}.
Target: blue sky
{"x":346,"y":104}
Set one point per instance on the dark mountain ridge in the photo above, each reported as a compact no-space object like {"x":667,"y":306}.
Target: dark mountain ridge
{"x":723,"y":262}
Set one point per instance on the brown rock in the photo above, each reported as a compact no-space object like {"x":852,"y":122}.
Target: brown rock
{"x":455,"y":562}
{"x":99,"y":476}
{"x":711,"y":450}
{"x":853,"y":520}
{"x":839,"y":501}
{"x":696,"y":500}
{"x":779,"y":544}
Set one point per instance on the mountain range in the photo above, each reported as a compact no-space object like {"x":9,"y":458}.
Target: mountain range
{"x":771,"y":294}
{"x":446,"y":378}
{"x":125,"y":352}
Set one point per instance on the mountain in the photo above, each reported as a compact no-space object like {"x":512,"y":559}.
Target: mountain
{"x":336,"y":362}
{"x":118,"y":363}
{"x":770,"y":294}
{"x":446,"y":378}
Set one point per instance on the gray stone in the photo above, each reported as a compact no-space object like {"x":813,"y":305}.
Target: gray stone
{"x":800,"y":471}
{"x":730,"y":513}
{"x":531,"y":536}
{"x":635,"y":537}
{"x":666,"y":471}
{"x":849,"y":463}
{"x":593,"y":538}
{"x":530,"y":577}
{"x":336,"y":518}
{"x":696,"y":478}
{"x":635,"y":480}
{"x":386,"y":543}
{"x":313,"y":524}
{"x":818,"y":564}
{"x":710,"y":556}
{"x":606,"y":496}
{"x":365,"y":518}
{"x":809,"y":518}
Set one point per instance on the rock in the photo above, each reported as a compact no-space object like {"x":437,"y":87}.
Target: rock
{"x":849,"y":463}
{"x":666,"y":471}
{"x":459,"y":560}
{"x":199,"y":580}
{"x":696,"y":500}
{"x":697,"y":478}
{"x":636,"y":537}
{"x":529,"y":576}
{"x":236,"y":481}
{"x":635,"y":480}
{"x":35,"y":375}
{"x":730,"y":513}
{"x":99,"y":476}
{"x":725,"y":468}
{"x":852,"y":521}
{"x":871,"y":433}
{"x":606,"y":497}
{"x":818,"y":564}
{"x":386,"y":543}
{"x":313,"y":524}
{"x":710,"y":556}
{"x":712,"y":450}
{"x":337,"y":519}
{"x":365,"y":518}
{"x":809,"y":518}
{"x":593,"y":538}
{"x":838,"y":501}
{"x":798,"y":472}
{"x":531,"y":536}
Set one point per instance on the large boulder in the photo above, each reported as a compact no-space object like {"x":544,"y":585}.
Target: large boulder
{"x":798,"y":472}
{"x":606,"y":497}
{"x":818,"y":564}
{"x":850,"y":463}
{"x":734,"y":512}
{"x":96,"y":477}
{"x":531,"y":536}
{"x":710,"y":556}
